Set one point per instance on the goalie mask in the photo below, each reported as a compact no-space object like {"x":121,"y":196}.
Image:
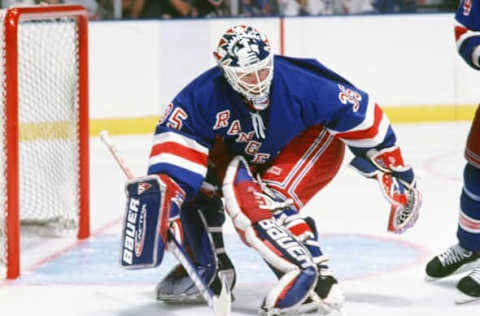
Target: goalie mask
{"x":246,"y":59}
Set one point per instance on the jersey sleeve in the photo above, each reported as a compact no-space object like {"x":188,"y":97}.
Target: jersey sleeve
{"x":181,"y":147}
{"x":358,"y":121}
{"x":467,"y":32}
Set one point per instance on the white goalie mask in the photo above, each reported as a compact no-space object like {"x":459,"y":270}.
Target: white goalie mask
{"x":245,"y":56}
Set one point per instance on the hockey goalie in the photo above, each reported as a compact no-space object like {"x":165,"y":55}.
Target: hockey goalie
{"x":260,"y":135}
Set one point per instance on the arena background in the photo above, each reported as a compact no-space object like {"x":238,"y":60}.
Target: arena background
{"x":407,"y":62}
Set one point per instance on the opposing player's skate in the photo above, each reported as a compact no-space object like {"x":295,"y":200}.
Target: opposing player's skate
{"x":452,"y":261}
{"x":469,"y":287}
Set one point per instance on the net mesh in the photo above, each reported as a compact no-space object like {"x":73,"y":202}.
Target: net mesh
{"x":48,"y":128}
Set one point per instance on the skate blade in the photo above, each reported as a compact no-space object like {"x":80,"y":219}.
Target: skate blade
{"x":320,"y":309}
{"x":463,"y":298}
{"x":181,"y":299}
{"x":467,"y":267}
{"x":222,"y":304}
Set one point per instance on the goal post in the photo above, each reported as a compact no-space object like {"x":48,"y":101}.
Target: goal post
{"x":44,"y":177}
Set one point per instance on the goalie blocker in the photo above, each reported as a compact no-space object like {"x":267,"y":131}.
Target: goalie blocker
{"x":153,"y":204}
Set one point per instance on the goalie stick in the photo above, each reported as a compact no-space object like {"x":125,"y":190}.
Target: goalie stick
{"x":220,"y":304}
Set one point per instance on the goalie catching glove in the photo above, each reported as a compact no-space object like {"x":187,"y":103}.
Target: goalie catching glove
{"x":152,"y":215}
{"x":397,"y":183}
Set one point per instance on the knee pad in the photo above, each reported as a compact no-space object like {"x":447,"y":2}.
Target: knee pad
{"x":245,"y":199}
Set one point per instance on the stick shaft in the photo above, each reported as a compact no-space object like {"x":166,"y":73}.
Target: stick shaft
{"x":220,"y":305}
{"x":113,"y":150}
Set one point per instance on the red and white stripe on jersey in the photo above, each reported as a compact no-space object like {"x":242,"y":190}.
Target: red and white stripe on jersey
{"x":178,"y":150}
{"x":291,"y":183}
{"x":469,"y":224}
{"x":472,"y":158}
{"x":369,"y":133}
{"x":461,"y":35}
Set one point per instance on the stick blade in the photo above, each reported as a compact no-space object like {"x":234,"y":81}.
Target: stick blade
{"x":222,"y":304}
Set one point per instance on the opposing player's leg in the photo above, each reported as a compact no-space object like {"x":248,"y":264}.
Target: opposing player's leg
{"x":304,"y":168}
{"x":251,"y":212}
{"x":202,"y":221}
{"x":468,"y":232}
{"x":465,"y":256}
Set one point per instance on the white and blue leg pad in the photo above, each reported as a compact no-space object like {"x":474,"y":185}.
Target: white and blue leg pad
{"x":251,"y":215}
{"x":285,"y":253}
{"x":141,"y":244}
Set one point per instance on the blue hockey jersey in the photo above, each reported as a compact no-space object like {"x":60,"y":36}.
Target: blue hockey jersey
{"x":303,"y":93}
{"x":467,"y":32}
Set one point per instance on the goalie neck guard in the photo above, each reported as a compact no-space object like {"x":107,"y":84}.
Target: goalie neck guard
{"x":244,"y":55}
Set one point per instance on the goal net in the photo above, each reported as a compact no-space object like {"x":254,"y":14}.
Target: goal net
{"x":43,"y":126}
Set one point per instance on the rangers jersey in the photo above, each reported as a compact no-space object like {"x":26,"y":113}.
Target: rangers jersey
{"x":467,"y":32}
{"x":304,"y":93}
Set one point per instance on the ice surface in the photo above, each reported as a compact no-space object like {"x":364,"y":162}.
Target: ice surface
{"x":380,"y":273}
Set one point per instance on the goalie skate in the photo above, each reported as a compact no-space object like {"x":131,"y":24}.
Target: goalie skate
{"x":178,"y":288}
{"x":327,"y":298}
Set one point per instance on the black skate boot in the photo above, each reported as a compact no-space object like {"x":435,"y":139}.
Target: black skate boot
{"x":454,"y":260}
{"x":326,"y":283}
{"x":469,"y":287}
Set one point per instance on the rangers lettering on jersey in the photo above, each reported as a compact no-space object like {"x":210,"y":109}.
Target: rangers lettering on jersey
{"x":304,"y":94}
{"x":222,"y":119}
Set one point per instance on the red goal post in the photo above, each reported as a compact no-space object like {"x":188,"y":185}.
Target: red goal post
{"x":44,"y":125}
